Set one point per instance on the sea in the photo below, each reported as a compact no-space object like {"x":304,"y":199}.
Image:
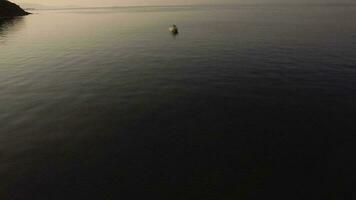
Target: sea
{"x":246,"y":102}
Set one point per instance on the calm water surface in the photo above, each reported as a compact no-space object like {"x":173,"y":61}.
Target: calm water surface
{"x":246,"y":102}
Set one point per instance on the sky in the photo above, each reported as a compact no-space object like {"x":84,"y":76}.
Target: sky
{"x":118,"y":2}
{"x":85,"y":3}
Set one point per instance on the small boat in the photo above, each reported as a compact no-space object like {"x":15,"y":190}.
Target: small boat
{"x":173,"y":29}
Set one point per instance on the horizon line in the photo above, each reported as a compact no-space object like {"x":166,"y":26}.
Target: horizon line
{"x":75,"y":7}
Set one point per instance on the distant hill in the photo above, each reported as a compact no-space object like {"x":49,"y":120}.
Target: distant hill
{"x":8,"y":9}
{"x":35,"y":6}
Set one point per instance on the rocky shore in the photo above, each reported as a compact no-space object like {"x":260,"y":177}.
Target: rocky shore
{"x":9,"y":9}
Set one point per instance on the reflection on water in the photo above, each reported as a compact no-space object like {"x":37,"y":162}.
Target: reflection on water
{"x":8,"y":25}
{"x":245,"y":103}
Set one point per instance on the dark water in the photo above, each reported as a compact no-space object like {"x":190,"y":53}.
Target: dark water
{"x":247,"y":102}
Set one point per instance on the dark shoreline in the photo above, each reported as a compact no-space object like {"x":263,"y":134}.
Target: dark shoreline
{"x":9,"y":9}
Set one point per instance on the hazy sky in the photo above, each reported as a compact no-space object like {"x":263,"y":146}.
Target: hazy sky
{"x":118,"y":2}
{"x":163,"y":2}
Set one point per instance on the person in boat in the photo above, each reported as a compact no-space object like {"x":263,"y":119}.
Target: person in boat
{"x":174,"y":29}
